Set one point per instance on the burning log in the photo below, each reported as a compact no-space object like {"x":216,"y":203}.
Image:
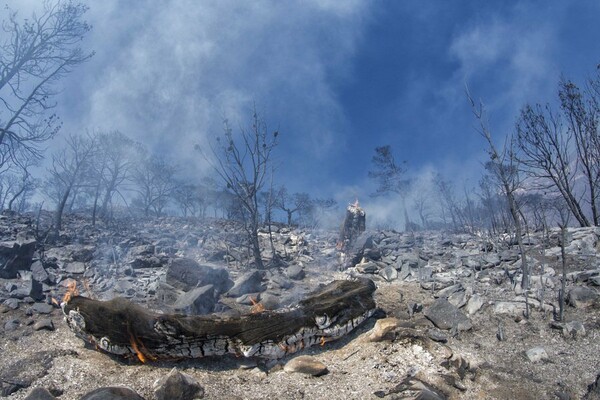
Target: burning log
{"x":354,"y":224}
{"x":123,"y":328}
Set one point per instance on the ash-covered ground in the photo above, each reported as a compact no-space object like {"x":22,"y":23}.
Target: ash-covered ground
{"x":454,"y":321}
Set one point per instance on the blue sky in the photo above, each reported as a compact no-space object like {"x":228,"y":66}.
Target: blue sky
{"x":336,"y":78}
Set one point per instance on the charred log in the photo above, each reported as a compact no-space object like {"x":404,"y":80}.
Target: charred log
{"x":121,"y":327}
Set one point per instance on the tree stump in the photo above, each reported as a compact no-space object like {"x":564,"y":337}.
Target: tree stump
{"x":354,"y":224}
{"x":121,"y":327}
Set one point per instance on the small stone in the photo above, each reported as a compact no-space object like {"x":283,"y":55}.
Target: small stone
{"x":40,"y":394}
{"x":112,"y":393}
{"x":389,"y":273}
{"x":11,"y":325}
{"x":306,"y":365}
{"x":437,"y":336}
{"x":177,"y":385}
{"x":384,"y":329}
{"x":42,"y":308}
{"x":295,"y":272}
{"x":76,"y":267}
{"x":11,"y":304}
{"x":368,"y":267}
{"x":536,"y":354}
{"x":44,"y":324}
{"x":39,"y":273}
{"x":474,"y":304}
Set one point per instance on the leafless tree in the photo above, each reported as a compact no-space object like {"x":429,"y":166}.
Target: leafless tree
{"x":448,"y":202}
{"x":191,"y":199}
{"x":110,"y":169}
{"x":69,"y":168}
{"x":503,"y":166}
{"x":154,"y":182}
{"x":243,"y":163}
{"x":545,"y":152}
{"x":34,"y":54}
{"x":297,"y":203}
{"x":582,"y":116}
{"x":15,"y":184}
{"x":391,"y":177}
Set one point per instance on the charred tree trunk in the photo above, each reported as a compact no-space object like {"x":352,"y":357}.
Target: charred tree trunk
{"x":123,"y":328}
{"x":354,"y":224}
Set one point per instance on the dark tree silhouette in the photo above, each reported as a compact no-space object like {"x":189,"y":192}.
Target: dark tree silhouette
{"x":34,"y":54}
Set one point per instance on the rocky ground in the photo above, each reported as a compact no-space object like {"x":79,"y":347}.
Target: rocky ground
{"x":454,"y":321}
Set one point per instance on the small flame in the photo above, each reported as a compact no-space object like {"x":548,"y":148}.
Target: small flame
{"x":72,"y":291}
{"x":323,"y":341}
{"x":140,"y":350}
{"x":256,"y":306}
{"x":135,"y":347}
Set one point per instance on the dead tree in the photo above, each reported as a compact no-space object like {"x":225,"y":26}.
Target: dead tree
{"x":503,"y":166}
{"x":545,"y":152}
{"x":583,"y":119}
{"x":243,"y":163}
{"x":391,"y":178}
{"x":67,"y":172}
{"x":34,"y":54}
{"x":154,"y":181}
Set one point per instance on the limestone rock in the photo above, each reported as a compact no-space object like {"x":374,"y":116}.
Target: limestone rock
{"x":197,"y":301}
{"x":474,"y":304}
{"x":295,"y":272}
{"x":76,"y":267}
{"x":249,"y":282}
{"x":389,"y":273}
{"x":16,"y":255}
{"x":446,"y":316}
{"x":40,"y":394}
{"x":186,"y":274}
{"x":112,"y":393}
{"x":44,"y":324}
{"x":384,"y":329}
{"x":582,"y":296}
{"x":306,"y":365}
{"x":178,"y":385}
{"x":536,"y":354}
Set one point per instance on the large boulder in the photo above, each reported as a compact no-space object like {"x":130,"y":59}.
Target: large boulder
{"x":186,"y":274}
{"x":16,"y":255}
{"x":249,"y":282}
{"x":582,"y":296}
{"x":198,"y":301}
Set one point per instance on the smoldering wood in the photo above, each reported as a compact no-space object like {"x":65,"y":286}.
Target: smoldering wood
{"x":354,"y":224}
{"x":124,"y":328}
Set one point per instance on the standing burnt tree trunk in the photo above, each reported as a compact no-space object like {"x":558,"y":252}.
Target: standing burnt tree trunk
{"x":243,"y":162}
{"x":503,"y":166}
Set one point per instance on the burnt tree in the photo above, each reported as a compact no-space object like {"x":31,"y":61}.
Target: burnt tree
{"x":34,"y":54}
{"x":243,"y":163}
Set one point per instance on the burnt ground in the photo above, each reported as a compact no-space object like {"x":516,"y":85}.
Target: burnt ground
{"x":465,"y":364}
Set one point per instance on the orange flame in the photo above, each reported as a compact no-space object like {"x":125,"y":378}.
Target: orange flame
{"x":256,"y":306}
{"x":72,"y":291}
{"x":138,"y":353}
